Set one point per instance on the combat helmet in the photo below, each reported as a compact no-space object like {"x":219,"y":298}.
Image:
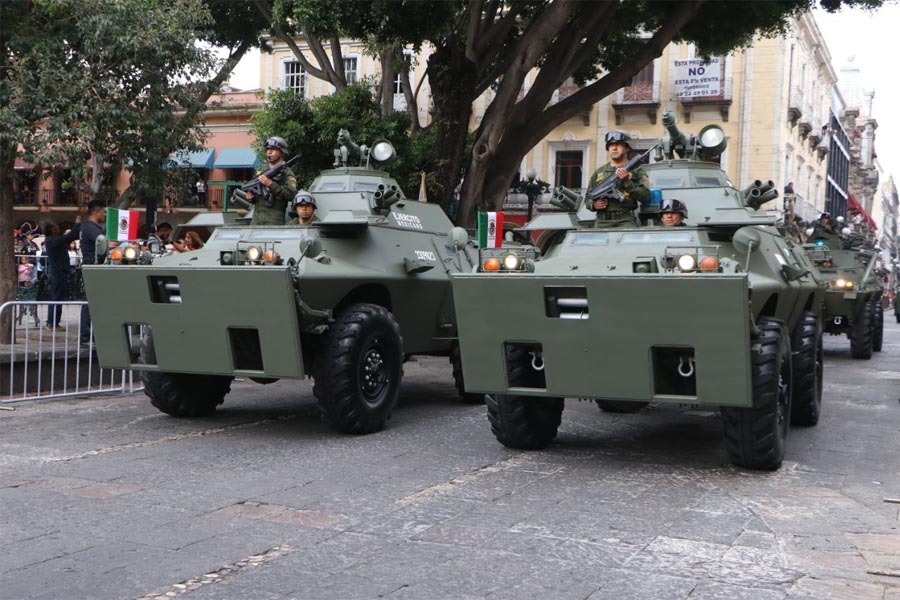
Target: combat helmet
{"x":673,"y":205}
{"x":301,"y":197}
{"x":277,"y":142}
{"x":617,"y":137}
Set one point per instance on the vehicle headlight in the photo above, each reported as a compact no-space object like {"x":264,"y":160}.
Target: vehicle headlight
{"x":843,"y":284}
{"x":709,"y":263}
{"x":687,"y":262}
{"x":491,"y":264}
{"x":270,"y":257}
{"x":254,"y":253}
{"x":130,"y":253}
{"x":511,"y":262}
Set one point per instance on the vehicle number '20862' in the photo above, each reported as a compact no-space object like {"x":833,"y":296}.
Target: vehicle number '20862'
{"x":426,"y":255}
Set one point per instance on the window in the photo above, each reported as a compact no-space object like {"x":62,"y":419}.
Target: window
{"x":351,"y":69}
{"x":294,"y":77}
{"x":645,"y":75}
{"x":568,"y":168}
{"x":398,"y":85}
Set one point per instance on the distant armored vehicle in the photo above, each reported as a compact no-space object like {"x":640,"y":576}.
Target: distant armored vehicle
{"x":343,"y":300}
{"x":853,"y":298}
{"x":722,"y":312}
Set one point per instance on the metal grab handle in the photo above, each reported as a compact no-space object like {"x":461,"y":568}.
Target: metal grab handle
{"x":690,"y":367}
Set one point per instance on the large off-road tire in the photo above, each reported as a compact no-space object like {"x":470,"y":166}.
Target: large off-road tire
{"x":755,"y":437}
{"x":456,"y":363}
{"x":620,"y":406}
{"x":359,"y":368}
{"x":877,"y":325}
{"x":181,"y":394}
{"x":523,"y":422}
{"x":861,"y":334}
{"x":808,"y":360}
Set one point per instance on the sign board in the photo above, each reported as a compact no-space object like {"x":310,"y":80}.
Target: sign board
{"x":695,"y":78}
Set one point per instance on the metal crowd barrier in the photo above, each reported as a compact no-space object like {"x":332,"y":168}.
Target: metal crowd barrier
{"x":51,"y":363}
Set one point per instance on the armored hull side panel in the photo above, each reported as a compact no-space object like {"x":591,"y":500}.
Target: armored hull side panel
{"x":191,"y":334}
{"x":609,"y":353}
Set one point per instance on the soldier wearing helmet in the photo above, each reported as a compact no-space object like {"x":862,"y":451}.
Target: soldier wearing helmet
{"x":673,"y":212}
{"x":634,"y":185}
{"x":823,"y":227}
{"x":303,"y":209}
{"x":280,"y":191}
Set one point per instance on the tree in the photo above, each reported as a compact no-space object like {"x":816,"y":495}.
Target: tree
{"x":116,"y":81}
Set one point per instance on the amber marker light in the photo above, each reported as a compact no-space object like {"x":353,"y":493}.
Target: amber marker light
{"x":709,"y":263}
{"x":491,"y":264}
{"x":115,"y":254}
{"x":270,"y":256}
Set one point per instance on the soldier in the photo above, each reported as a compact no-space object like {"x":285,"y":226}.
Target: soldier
{"x":634,"y":185}
{"x":303,"y":209}
{"x":673,"y":212}
{"x":270,"y":209}
{"x":823,"y":226}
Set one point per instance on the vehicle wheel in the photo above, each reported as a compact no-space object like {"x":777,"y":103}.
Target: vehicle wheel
{"x":808,"y":360}
{"x":755,"y":437}
{"x":359,"y":368}
{"x":877,"y":325}
{"x":523,"y":422}
{"x":456,"y":363}
{"x":620,"y":406}
{"x":181,"y":394}
{"x":861,"y":334}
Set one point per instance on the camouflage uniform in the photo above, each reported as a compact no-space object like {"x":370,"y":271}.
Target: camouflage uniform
{"x":281,"y":192}
{"x":636,"y":191}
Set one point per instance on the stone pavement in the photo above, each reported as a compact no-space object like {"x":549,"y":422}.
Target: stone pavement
{"x":107,"y":498}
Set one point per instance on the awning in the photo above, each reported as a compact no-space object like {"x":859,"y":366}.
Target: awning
{"x":856,"y":208}
{"x":202,"y":159}
{"x":21,"y":165}
{"x":237,"y":158}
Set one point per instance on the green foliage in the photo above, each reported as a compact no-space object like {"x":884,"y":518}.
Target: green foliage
{"x":311,"y":127}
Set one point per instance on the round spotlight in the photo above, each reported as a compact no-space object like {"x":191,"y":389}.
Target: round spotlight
{"x":383,"y":151}
{"x":687,"y":262}
{"x":254,"y":253}
{"x":511,"y":262}
{"x":129,"y":253}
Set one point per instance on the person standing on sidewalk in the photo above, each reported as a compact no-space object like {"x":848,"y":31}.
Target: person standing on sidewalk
{"x":57,"y":249}
{"x":93,"y":227}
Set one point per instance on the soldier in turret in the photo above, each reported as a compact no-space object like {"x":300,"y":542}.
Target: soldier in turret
{"x":303,"y":209}
{"x":270,"y":209}
{"x":633,"y":185}
{"x":672,"y":213}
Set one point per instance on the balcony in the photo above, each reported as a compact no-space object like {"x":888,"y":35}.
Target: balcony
{"x":563,"y":92}
{"x":795,"y":102}
{"x":722,"y":101}
{"x":805,"y":122}
{"x":639,"y":97}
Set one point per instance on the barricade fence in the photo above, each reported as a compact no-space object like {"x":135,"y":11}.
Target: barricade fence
{"x":47,"y":358}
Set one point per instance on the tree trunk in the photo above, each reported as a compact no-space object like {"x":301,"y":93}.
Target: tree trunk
{"x":8,"y":274}
{"x":388,"y":72}
{"x":453,"y":79}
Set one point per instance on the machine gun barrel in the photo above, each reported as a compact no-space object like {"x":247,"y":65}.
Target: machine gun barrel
{"x":675,"y":134}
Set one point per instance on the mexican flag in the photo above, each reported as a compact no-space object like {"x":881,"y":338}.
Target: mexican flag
{"x":490,"y":229}
{"x":121,"y":225}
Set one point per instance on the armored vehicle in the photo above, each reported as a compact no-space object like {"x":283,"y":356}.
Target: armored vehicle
{"x":343,"y":300}
{"x":723,"y":312}
{"x":853,"y":297}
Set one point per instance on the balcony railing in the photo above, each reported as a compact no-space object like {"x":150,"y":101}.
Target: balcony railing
{"x":638,"y":94}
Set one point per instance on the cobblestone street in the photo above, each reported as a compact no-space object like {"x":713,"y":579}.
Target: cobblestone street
{"x":106,"y":498}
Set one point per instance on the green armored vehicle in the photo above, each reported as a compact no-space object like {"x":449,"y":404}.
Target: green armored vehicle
{"x":344,"y":300}
{"x":853,"y":297}
{"x":722,"y":312}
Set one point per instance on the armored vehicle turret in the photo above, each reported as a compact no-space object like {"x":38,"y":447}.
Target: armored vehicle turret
{"x":721,"y":311}
{"x":854,"y":289}
{"x":344,"y":300}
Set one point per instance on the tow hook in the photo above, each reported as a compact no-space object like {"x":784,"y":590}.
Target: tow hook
{"x":838,"y":320}
{"x":537,"y":361}
{"x":685,"y":367}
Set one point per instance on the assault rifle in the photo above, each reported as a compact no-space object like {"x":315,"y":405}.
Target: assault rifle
{"x":607,"y":188}
{"x":273,"y":173}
